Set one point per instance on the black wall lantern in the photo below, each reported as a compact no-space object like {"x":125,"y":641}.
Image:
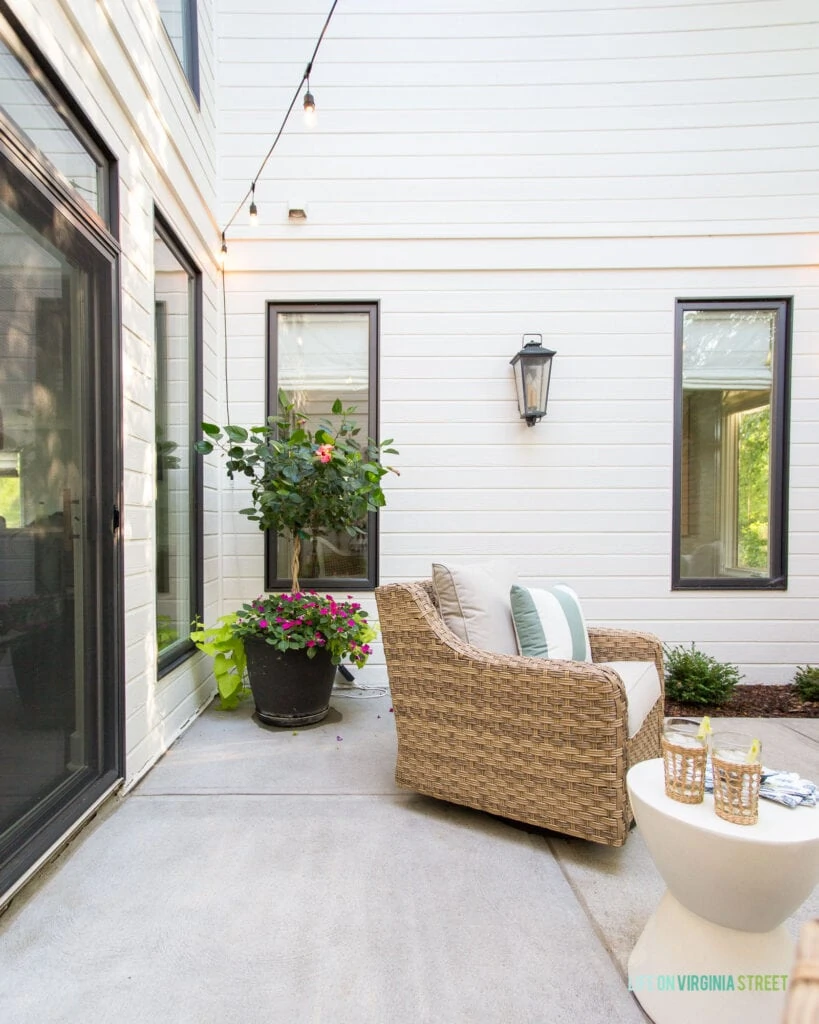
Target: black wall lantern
{"x":533,"y":370}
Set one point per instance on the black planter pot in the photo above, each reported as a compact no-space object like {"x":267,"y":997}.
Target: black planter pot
{"x":288,"y":687}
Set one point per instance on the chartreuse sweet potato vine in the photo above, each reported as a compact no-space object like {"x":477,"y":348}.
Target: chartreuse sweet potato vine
{"x":229,"y":660}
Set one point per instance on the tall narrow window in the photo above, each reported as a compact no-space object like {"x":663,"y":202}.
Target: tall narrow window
{"x":319,"y":352}
{"x":178,"y":532}
{"x":179,"y":19}
{"x":730,"y":458}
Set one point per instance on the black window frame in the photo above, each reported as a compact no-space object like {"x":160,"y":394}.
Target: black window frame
{"x":273,"y":581}
{"x":184,"y":648}
{"x":63,"y":101}
{"x":190,"y":45}
{"x":780,"y":436}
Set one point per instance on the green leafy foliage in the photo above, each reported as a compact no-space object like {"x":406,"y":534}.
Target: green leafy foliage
{"x":165,"y":632}
{"x":806,"y":681}
{"x":304,"y":483}
{"x":753,"y":483}
{"x":308,"y":622}
{"x":227,"y":649}
{"x":693,"y":677}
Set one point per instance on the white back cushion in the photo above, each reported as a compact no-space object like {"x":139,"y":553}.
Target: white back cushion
{"x":474,"y":603}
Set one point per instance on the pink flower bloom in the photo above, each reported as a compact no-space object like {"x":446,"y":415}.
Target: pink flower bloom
{"x":311,"y":643}
{"x":350,"y":622}
{"x":263,"y":623}
{"x":324,"y":452}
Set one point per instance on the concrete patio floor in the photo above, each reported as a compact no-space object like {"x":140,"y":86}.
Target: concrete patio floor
{"x":258,"y":875}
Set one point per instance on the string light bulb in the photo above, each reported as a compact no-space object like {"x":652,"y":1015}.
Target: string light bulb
{"x":253,"y":212}
{"x":309,"y":106}
{"x":222,"y":256}
{"x":309,"y":102}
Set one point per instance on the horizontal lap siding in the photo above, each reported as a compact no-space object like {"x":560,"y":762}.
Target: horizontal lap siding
{"x":543,"y":118}
{"x":120,"y":66}
{"x":555,"y":168}
{"x":586,"y":495}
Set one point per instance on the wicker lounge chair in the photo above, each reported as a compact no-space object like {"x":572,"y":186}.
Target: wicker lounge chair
{"x":537,"y":741}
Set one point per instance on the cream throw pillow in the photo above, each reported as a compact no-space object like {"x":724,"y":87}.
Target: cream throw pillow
{"x":474,"y":603}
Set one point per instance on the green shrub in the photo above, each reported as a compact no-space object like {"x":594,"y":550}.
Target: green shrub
{"x":693,"y":677}
{"x":806,"y":681}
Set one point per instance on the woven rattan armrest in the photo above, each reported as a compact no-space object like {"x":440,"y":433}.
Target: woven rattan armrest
{"x":608,"y":644}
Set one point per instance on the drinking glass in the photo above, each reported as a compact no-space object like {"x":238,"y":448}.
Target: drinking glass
{"x":684,"y":757}
{"x":736,"y":761}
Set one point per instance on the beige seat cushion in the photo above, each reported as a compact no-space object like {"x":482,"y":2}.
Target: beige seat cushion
{"x":642,"y":689}
{"x":474,"y":603}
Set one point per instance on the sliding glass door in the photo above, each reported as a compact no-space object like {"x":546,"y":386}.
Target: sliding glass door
{"x":59,"y":676}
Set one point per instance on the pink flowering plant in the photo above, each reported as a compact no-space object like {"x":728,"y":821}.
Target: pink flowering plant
{"x":307,"y":621}
{"x":304,"y":621}
{"x":304,"y":483}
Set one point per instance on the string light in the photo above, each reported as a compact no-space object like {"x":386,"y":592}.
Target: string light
{"x":309,"y":113}
{"x":253,"y":212}
{"x":309,"y":103}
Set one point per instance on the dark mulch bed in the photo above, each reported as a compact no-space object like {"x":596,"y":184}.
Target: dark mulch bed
{"x":752,"y":701}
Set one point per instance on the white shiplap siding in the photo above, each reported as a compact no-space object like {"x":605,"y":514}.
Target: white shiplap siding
{"x":484,"y":171}
{"x":586,"y":495}
{"x":547,"y":118}
{"x":120,"y":66}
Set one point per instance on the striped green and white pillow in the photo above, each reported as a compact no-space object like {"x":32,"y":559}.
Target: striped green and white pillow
{"x":549,"y":623}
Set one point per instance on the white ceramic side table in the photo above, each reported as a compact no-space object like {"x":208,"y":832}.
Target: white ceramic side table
{"x":716,"y":945}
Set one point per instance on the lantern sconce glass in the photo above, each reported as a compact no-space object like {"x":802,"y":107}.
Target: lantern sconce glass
{"x":533,"y":370}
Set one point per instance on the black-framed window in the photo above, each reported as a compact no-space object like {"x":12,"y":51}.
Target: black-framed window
{"x":178,"y":500}
{"x":180,"y":20}
{"x":36,"y":105}
{"x":731,"y":414}
{"x":318,"y":352}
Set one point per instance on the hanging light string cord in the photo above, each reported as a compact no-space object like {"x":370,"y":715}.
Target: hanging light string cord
{"x":251,"y":192}
{"x":304,"y":78}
